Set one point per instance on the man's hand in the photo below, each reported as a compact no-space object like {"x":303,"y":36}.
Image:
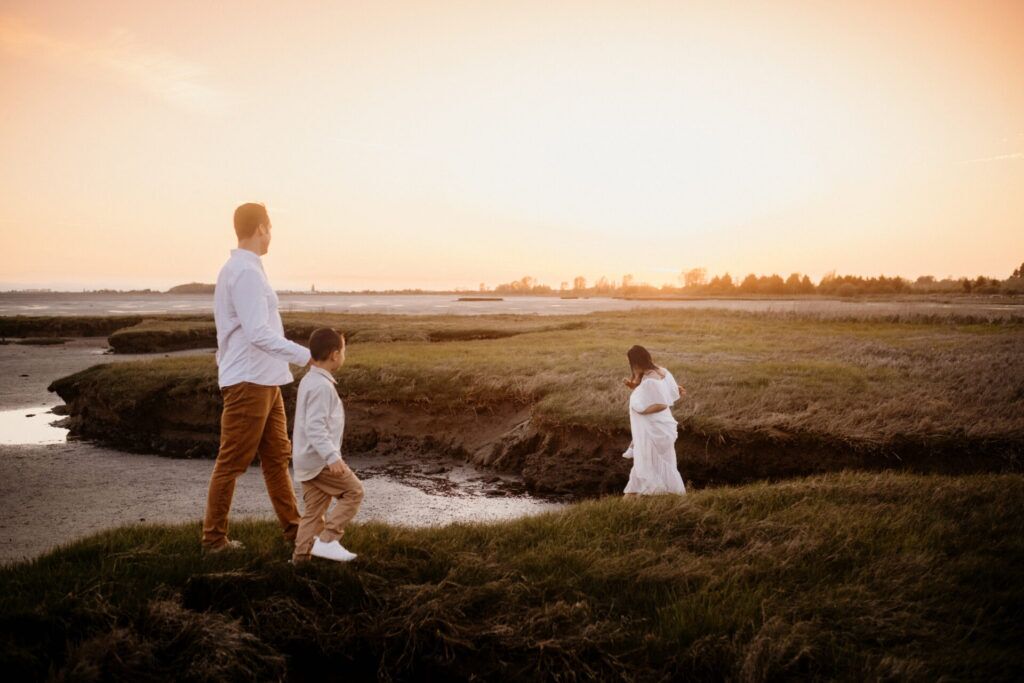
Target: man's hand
{"x":336,"y":467}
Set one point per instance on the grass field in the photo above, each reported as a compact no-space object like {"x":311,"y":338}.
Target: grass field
{"x":847,"y":576}
{"x":770,"y":395}
{"x":170,"y":333}
{"x":868,"y":381}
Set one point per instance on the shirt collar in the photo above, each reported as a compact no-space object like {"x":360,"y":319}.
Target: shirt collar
{"x":245,"y":253}
{"x":313,"y":368}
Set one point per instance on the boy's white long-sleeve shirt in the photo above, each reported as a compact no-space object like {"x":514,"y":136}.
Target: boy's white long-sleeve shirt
{"x":319,"y":424}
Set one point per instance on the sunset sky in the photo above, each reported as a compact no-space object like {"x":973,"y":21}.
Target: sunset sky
{"x":444,"y":144}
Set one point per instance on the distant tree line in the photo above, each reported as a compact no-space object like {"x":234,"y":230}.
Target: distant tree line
{"x":121,"y":291}
{"x":695,"y":282}
{"x":192,"y":288}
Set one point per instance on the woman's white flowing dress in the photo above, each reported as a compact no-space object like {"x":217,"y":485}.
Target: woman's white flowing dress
{"x":654,"y":438}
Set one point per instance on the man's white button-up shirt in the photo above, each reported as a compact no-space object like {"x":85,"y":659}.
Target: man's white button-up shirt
{"x":251,"y":346}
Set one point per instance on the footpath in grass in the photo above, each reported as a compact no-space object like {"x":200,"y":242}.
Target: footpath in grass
{"x":847,"y":576}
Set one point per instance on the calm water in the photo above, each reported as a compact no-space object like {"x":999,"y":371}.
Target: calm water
{"x":31,"y":426}
{"x":39,"y":466}
{"x":423,"y":304}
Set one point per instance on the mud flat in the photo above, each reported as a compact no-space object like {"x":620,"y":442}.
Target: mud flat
{"x":55,"y":489}
{"x":27,"y":371}
{"x":55,"y":493}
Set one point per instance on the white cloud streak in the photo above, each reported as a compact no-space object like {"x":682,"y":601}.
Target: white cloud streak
{"x":998,"y":157}
{"x":122,"y":57}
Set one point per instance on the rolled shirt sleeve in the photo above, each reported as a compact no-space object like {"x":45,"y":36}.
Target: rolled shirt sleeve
{"x":646,"y":395}
{"x":249,"y":297}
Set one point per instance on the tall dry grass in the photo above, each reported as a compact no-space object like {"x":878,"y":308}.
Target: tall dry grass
{"x":864,"y":381}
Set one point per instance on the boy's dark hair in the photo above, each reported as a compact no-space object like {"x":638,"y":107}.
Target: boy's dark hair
{"x":248,"y":217}
{"x":323,"y":342}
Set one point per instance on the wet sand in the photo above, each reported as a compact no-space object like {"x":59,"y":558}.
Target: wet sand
{"x":53,"y":493}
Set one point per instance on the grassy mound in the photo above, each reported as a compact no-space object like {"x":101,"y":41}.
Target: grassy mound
{"x":64,"y":325}
{"x":863,"y":380}
{"x":162,"y":334}
{"x":848,"y":576}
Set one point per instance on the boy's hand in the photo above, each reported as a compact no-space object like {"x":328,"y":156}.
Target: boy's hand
{"x":336,"y":467}
{"x":631,"y":383}
{"x":682,"y":390}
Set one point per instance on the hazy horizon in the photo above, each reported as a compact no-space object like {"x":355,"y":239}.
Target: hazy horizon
{"x":7,"y":287}
{"x":444,"y":145}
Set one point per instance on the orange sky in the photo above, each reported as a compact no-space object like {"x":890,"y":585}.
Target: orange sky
{"x":446,"y":144}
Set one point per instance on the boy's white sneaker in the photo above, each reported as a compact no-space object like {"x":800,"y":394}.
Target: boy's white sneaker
{"x":331,"y":551}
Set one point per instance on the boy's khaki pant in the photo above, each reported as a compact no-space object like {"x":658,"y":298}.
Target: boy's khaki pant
{"x":252,"y":423}
{"x":316,"y":497}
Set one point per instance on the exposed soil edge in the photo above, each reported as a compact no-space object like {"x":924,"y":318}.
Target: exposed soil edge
{"x":551,"y":458}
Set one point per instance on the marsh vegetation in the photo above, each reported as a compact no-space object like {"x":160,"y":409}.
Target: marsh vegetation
{"x":770,"y":395}
{"x":852,"y":576}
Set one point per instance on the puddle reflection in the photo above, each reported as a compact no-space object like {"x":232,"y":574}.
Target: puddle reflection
{"x":30,"y":426}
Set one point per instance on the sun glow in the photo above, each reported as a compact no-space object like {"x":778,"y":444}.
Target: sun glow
{"x":442,"y":146}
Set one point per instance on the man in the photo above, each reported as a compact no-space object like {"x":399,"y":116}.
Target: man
{"x":252,"y":364}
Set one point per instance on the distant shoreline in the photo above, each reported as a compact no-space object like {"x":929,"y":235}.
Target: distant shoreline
{"x":947,"y":297}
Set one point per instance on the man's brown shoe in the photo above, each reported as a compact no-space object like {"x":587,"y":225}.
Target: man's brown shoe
{"x":228,"y":545}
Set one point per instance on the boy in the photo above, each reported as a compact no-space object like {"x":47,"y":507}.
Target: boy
{"x":316,"y":454}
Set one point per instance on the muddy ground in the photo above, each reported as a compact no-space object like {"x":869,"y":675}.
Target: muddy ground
{"x":53,"y":493}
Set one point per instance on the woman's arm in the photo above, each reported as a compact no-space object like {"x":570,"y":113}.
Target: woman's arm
{"x":653,"y":408}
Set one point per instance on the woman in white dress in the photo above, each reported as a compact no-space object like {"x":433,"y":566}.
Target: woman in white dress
{"x":654,"y":428}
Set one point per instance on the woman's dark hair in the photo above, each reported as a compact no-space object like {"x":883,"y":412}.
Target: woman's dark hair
{"x":640,"y":359}
{"x":323,"y":342}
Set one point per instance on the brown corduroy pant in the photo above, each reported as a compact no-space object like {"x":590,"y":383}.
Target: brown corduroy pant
{"x":252,"y":423}
{"x":316,"y":498}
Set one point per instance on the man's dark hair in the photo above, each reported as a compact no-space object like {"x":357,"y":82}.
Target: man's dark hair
{"x":248,"y":217}
{"x":323,"y":342}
